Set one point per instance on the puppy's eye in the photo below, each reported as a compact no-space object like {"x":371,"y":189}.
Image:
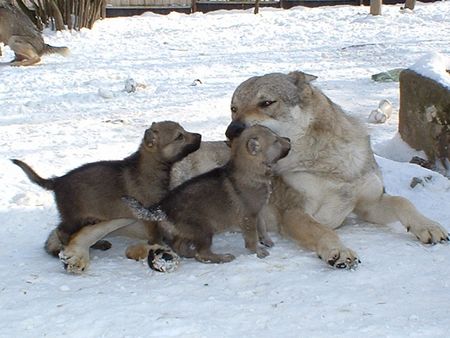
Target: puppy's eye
{"x":180,"y":137}
{"x":233,"y":110}
{"x":266,"y":103}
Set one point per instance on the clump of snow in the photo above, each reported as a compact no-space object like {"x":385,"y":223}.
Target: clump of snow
{"x":435,"y":66}
{"x":382,"y":113}
{"x":396,"y":149}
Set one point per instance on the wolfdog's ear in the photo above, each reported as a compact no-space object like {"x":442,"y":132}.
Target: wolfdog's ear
{"x":298,"y":77}
{"x":253,"y":146}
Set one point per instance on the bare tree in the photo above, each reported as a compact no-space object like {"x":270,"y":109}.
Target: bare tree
{"x":62,"y":14}
{"x":410,"y":4}
{"x":257,"y":6}
{"x":375,"y":7}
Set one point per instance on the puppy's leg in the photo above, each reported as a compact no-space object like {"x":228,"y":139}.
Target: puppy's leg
{"x":251,"y":238}
{"x":75,"y":255}
{"x":205,"y":255}
{"x":263,"y":217}
{"x":388,"y":209}
{"x":319,"y":238}
{"x":54,"y":243}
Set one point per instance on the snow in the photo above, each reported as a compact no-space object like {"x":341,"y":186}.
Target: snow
{"x":435,"y":66}
{"x":68,"y":111}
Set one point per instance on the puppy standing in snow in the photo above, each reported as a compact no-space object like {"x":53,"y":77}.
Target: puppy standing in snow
{"x":192,"y":213}
{"x":91,"y":194}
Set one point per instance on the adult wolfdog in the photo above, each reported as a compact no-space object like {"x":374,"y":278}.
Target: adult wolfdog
{"x":330,"y":170}
{"x":19,"y":33}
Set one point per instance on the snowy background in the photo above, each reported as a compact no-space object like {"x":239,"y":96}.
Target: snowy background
{"x":68,"y":111}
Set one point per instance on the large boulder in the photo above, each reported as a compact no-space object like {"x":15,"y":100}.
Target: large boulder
{"x":424,"y":117}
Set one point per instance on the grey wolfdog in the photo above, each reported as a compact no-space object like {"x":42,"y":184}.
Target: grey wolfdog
{"x":330,"y":171}
{"x":21,"y":35}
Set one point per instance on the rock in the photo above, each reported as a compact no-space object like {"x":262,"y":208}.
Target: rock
{"x":424,"y":115}
{"x":388,"y":76}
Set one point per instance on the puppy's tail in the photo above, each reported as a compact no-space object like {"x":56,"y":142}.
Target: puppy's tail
{"x":64,"y":51}
{"x":140,"y":212}
{"x":48,"y":184}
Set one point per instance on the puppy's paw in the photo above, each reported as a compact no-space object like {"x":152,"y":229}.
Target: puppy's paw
{"x":267,"y":241}
{"x":137,"y":251}
{"x":262,"y":252}
{"x":341,"y":258}
{"x":162,"y":258}
{"x":429,"y":232}
{"x":74,"y":259}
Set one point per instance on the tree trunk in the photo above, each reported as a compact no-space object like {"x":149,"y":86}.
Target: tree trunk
{"x":256,"y":6}
{"x":375,"y":7}
{"x":410,"y":4}
{"x":56,"y":13}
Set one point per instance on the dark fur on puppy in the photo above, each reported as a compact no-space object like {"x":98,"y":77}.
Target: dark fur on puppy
{"x":231,"y":195}
{"x":91,"y":193}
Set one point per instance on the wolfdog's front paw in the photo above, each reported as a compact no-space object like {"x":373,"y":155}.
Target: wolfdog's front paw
{"x":162,"y":258}
{"x":341,"y":258}
{"x":75,"y":259}
{"x":430,"y":233}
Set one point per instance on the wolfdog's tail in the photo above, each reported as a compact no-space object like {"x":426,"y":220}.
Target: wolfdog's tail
{"x":64,"y":51}
{"x":48,"y":184}
{"x":140,"y":212}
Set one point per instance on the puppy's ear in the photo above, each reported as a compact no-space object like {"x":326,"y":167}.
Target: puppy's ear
{"x":253,"y":146}
{"x":298,"y":77}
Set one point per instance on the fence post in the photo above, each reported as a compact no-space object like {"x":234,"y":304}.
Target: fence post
{"x":375,"y":7}
{"x":193,"y":6}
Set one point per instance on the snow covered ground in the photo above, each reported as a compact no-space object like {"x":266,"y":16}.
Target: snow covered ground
{"x":68,"y":111}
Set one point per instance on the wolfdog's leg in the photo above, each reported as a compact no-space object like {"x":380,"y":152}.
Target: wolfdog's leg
{"x":388,"y":209}
{"x":319,"y":238}
{"x":75,"y":255}
{"x":25,"y":53}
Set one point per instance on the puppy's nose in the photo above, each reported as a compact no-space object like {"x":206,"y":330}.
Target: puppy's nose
{"x":234,"y":129}
{"x":287,"y":139}
{"x":198,"y":137}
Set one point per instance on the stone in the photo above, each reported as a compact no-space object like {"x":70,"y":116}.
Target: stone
{"x":424,"y":115}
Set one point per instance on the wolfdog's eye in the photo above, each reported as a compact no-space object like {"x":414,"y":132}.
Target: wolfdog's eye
{"x":266,"y":103}
{"x":180,"y":137}
{"x":233,"y":109}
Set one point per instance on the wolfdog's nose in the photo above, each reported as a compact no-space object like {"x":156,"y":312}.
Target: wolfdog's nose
{"x":234,"y":129}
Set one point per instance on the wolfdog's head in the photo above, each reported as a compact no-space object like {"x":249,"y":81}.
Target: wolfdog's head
{"x":281,"y":102}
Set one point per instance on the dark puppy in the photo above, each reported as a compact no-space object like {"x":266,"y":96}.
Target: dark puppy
{"x":91,"y":193}
{"x":227,"y":196}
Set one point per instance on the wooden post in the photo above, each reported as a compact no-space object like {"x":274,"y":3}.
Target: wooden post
{"x":410,"y":4}
{"x":194,"y":6}
{"x":375,"y":7}
{"x":256,"y":6}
